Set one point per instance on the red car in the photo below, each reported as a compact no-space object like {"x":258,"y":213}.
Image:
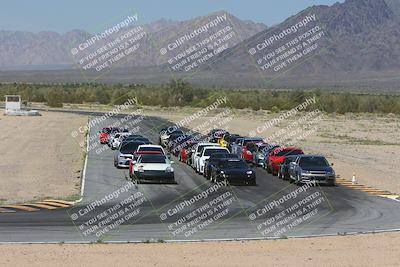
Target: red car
{"x":248,"y":149}
{"x":185,"y":152}
{"x":277,"y":156}
{"x":104,"y":135}
{"x":136,"y":156}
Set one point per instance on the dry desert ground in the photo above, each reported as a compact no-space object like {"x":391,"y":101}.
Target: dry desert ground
{"x":39,"y":157}
{"x":362,"y":250}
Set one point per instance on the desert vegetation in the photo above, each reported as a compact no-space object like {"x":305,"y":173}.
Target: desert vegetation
{"x":178,"y":93}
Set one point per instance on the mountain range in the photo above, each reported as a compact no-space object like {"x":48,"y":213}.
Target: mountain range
{"x":360,"y":49}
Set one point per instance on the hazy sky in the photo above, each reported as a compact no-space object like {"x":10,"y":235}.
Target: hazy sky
{"x":95,"y":15}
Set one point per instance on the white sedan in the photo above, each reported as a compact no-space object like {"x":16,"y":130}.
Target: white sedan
{"x":205,"y":154}
{"x":197,"y":150}
{"x":153,"y":167}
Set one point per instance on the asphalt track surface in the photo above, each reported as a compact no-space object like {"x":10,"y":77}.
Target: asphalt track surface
{"x":225,"y":213}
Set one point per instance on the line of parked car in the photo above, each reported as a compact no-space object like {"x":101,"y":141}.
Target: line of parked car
{"x":218,"y":156}
{"x":146,"y":162}
{"x":221,"y":155}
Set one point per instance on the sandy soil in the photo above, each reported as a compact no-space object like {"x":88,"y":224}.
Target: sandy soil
{"x":365,"y":145}
{"x":39,"y":158}
{"x":362,"y":250}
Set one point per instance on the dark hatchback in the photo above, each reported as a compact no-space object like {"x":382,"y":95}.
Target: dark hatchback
{"x":234,"y":171}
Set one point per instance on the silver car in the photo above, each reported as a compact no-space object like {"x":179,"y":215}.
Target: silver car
{"x":308,"y":168}
{"x":125,"y":154}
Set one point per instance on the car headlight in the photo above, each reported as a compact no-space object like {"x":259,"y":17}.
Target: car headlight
{"x":331,"y":172}
{"x":305,"y":172}
{"x":169,"y":169}
{"x":221,"y":172}
{"x":140,"y":169}
{"x":249,"y":172}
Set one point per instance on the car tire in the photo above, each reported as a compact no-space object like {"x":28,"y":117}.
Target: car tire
{"x":269,"y":169}
{"x":212,"y":178}
{"x":298,"y":179}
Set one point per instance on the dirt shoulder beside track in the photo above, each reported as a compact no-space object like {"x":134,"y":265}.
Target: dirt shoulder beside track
{"x":39,"y":158}
{"x":362,"y":250}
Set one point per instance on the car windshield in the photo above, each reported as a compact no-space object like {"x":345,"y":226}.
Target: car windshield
{"x":313,"y":162}
{"x":251,"y":147}
{"x":236,"y":164}
{"x":220,"y":154}
{"x":176,"y":132}
{"x":289,"y":153}
{"x":232,"y":138}
{"x":153,"y":159}
{"x":289,"y":159}
{"x":131,"y":136}
{"x":176,"y":137}
{"x":157,"y":149}
{"x":200,"y":148}
{"x":256,"y":140}
{"x":129,"y":148}
{"x":209,"y":152}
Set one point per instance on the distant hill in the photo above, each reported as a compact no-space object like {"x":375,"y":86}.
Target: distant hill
{"x":359,"y":49}
{"x":27,"y":50}
{"x":362,"y":38}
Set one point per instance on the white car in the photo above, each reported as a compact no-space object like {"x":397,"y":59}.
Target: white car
{"x":153,"y":167}
{"x":165,"y":134}
{"x":197,"y":150}
{"x":205,"y":154}
{"x":155,"y":148}
{"x":117,"y":139}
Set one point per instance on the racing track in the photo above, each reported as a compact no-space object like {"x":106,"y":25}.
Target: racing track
{"x":343,"y":210}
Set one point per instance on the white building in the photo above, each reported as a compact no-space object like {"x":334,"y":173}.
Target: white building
{"x":13,"y":107}
{"x":13,"y":103}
